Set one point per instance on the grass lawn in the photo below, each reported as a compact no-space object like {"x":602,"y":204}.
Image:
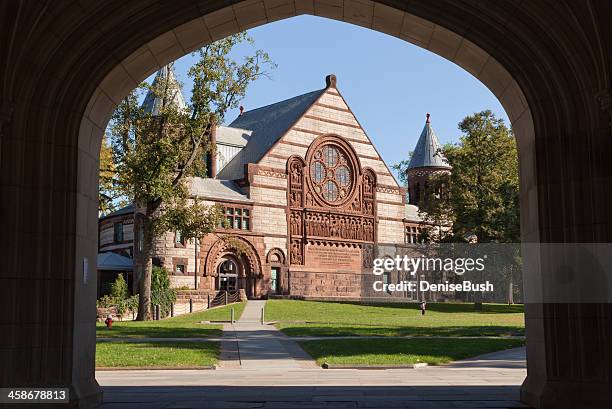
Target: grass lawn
{"x":168,"y":354}
{"x":184,"y":326}
{"x":389,"y":352}
{"x":313,"y":318}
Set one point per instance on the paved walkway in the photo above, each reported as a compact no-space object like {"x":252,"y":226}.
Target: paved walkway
{"x":247,"y":344}
{"x":490,"y":381}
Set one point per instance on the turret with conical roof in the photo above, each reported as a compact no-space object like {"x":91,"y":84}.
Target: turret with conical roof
{"x":153,"y":101}
{"x":427,"y":160}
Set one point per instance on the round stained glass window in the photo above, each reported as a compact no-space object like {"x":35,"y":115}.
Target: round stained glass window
{"x":343,"y":176}
{"x":331,"y":173}
{"x":318,"y":172}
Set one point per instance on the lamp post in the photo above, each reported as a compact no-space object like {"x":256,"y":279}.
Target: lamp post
{"x":195,"y":259}
{"x":473,"y":239}
{"x":422,"y":276}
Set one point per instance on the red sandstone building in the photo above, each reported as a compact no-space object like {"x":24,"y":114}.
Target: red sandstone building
{"x":308,"y":200}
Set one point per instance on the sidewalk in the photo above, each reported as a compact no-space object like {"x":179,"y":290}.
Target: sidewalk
{"x":464,"y":384}
{"x":247,"y":344}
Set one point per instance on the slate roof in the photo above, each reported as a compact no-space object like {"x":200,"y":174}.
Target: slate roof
{"x":267,"y":125}
{"x":114,"y":262}
{"x":428,"y":151}
{"x":233,"y":136}
{"x":124,"y":210}
{"x":217,"y":189}
{"x":152,"y":103}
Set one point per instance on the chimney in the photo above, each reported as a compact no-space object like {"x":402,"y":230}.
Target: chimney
{"x":330,"y":81}
{"x":427,"y":121}
{"x":241,"y":110}
{"x":211,"y":161}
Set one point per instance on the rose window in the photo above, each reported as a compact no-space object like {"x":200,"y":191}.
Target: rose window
{"x":331,"y":174}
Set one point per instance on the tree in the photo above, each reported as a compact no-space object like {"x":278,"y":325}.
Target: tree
{"x":484,"y":182}
{"x":106,"y":192}
{"x":155,"y":152}
{"x":484,"y":194}
{"x":402,"y":171}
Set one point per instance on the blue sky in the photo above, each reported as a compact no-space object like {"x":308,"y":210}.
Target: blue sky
{"x":389,"y":84}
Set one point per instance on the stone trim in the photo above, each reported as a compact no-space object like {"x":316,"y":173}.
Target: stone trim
{"x":263,"y":204}
{"x":301,"y":145}
{"x":298,"y":129}
{"x":388,"y":202}
{"x":331,"y":121}
{"x":277,"y":156}
{"x":320,"y":104}
{"x":262,"y":186}
{"x":388,"y":189}
{"x":393,"y":219}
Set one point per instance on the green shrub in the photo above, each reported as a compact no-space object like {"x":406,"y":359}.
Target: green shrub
{"x":128,"y":305}
{"x":105,"y":302}
{"x":119,"y":289}
{"x":161,"y":293}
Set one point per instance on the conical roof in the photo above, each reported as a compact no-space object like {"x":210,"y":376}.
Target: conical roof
{"x":428,"y":151}
{"x":153,"y":103}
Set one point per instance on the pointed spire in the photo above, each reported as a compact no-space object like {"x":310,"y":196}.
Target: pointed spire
{"x":153,"y":103}
{"x":428,"y":151}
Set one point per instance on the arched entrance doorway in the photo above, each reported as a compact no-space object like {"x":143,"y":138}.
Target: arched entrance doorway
{"x":548,"y":64}
{"x":227,"y":275}
{"x":233,"y":274}
{"x":233,"y":264}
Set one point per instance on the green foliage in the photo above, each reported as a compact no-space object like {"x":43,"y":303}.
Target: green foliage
{"x":128,"y":305}
{"x":105,"y":301}
{"x":221,"y":82}
{"x":194,"y":220}
{"x":119,"y":298}
{"x":119,"y":289}
{"x":401,"y":168}
{"x":161,"y":293}
{"x":110,"y":198}
{"x":484,"y":183}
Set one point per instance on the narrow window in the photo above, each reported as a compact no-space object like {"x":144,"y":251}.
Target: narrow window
{"x":179,"y":239}
{"x":118,"y":232}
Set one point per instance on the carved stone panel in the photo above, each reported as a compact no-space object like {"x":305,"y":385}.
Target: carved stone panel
{"x":297,"y":252}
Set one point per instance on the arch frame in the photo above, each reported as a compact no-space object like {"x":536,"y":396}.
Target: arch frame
{"x":548,"y":65}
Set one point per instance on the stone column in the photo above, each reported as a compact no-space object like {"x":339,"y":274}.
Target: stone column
{"x":569,"y":317}
{"x":48,"y":214}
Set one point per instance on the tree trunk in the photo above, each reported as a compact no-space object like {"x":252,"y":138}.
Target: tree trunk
{"x":144,"y":266}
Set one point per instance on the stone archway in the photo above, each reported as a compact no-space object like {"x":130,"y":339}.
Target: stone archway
{"x":247,"y":261}
{"x":67,"y":66}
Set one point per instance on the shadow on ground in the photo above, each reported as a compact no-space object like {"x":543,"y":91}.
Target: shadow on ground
{"x":339,"y":329}
{"x":308,"y":397}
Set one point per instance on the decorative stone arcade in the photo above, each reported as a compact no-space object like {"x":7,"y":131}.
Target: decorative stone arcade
{"x":67,"y":64}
